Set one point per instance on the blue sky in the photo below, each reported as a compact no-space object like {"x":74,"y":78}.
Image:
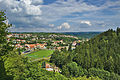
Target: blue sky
{"x":62,"y":15}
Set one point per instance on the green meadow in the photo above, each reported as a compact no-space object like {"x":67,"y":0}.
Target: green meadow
{"x":40,"y":54}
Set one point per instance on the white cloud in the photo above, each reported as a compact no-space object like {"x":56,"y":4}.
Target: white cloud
{"x":22,"y":7}
{"x":23,"y":13}
{"x":64,"y":25}
{"x":51,"y":25}
{"x":37,"y":2}
{"x":86,"y":22}
{"x":33,"y":10}
{"x":26,"y":1}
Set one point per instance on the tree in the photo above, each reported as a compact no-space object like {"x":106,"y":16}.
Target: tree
{"x":70,"y":47}
{"x":73,"y":69}
{"x":109,"y":64}
{"x":43,"y":64}
{"x":65,"y":71}
{"x":118,"y":31}
{"x":15,"y":65}
{"x":4,"y":45}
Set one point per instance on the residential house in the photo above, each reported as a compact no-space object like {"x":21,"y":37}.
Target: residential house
{"x":59,"y":48}
{"x":74,"y":43}
{"x":30,"y":46}
{"x":18,"y":46}
{"x":49,"y":67}
{"x":10,"y":35}
{"x":41,"y":46}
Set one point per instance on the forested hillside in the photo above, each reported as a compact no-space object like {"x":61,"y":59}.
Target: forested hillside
{"x":100,"y":56}
{"x":100,"y":52}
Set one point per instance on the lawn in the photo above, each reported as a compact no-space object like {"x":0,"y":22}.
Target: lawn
{"x":40,"y":54}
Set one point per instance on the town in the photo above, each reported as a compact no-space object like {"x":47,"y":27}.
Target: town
{"x":30,"y":42}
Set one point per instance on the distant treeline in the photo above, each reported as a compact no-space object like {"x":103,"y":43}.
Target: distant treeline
{"x":83,"y":34}
{"x":77,"y":34}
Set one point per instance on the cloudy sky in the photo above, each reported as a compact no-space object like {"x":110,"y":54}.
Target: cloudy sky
{"x":62,"y":15}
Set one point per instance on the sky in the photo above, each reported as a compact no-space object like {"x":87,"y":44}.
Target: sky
{"x":62,"y":15}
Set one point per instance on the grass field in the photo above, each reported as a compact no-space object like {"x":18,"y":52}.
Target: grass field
{"x":40,"y":54}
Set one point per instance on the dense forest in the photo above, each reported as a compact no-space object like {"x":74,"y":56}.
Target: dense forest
{"x":100,"y":56}
{"x":93,"y":60}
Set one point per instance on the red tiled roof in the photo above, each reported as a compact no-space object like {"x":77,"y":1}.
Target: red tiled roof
{"x":32,"y":45}
{"x":47,"y":65}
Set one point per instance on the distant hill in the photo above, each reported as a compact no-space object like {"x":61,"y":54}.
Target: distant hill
{"x":83,"y":34}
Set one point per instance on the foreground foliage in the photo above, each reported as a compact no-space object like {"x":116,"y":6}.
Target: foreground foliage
{"x":19,"y":68}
